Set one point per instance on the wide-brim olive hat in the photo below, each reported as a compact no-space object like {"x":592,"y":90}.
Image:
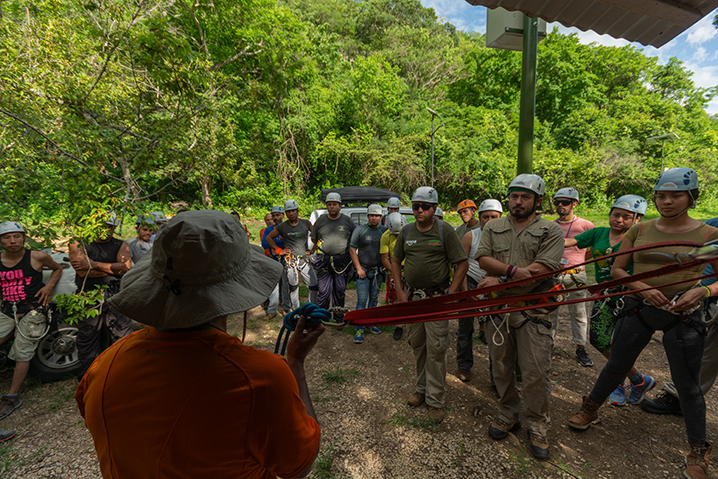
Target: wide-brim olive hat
{"x":201,"y":267}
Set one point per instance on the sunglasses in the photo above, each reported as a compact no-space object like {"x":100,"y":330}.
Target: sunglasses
{"x":562,"y":202}
{"x":423,"y":206}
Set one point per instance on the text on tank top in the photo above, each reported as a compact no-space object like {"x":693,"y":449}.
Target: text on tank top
{"x":20,"y":283}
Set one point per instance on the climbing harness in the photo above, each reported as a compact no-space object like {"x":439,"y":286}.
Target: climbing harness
{"x":314,"y":315}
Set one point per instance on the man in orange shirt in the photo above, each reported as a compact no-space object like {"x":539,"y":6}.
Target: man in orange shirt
{"x":181,"y":397}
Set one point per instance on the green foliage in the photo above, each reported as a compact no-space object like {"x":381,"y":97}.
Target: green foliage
{"x":81,"y":306}
{"x":338,"y":375}
{"x":132,"y":106}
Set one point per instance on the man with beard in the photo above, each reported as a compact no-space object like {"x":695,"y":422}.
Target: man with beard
{"x":565,"y":200}
{"x":518,"y":246}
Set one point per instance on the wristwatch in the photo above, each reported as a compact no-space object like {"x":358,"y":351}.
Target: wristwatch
{"x":503,"y":279}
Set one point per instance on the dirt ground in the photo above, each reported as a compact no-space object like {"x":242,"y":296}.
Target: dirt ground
{"x":368,"y":430}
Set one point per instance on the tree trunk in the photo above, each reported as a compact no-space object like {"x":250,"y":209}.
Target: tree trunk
{"x":206,"y":186}
{"x":132,"y":189}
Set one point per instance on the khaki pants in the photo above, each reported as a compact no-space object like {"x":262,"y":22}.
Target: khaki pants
{"x":32,"y":324}
{"x":530,"y":345}
{"x":430,"y":342}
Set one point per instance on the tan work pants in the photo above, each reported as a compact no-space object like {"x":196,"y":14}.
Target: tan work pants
{"x":530,"y":345}
{"x":430,"y":342}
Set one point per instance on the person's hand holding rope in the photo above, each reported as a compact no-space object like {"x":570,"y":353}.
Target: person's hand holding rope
{"x":303,"y":340}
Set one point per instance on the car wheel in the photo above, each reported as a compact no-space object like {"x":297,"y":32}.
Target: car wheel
{"x":56,"y":357}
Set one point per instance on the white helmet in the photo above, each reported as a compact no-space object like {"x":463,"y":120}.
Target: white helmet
{"x":632,"y":203}
{"x":393,"y":202}
{"x":491,"y":205}
{"x":374,"y":210}
{"x":112,"y":219}
{"x":427,"y":194}
{"x":533,"y":183}
{"x":333,"y":197}
{"x":439,"y":212}
{"x":158,"y":216}
{"x":10,"y":227}
{"x":571,"y":193}
{"x":290,"y":205}
{"x":395,"y":222}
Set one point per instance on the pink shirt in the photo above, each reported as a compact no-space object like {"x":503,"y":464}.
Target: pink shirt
{"x":574,"y":255}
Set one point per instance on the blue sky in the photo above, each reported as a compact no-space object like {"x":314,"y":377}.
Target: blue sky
{"x":697,"y":47}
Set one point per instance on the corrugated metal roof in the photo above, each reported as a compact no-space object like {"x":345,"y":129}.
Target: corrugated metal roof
{"x":649,"y":22}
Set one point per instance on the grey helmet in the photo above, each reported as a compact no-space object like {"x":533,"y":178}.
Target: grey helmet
{"x":395,"y":222}
{"x":158,"y":216}
{"x":439,"y":213}
{"x":571,"y":193}
{"x":677,"y":179}
{"x":393,"y":202}
{"x":426,"y":194}
{"x":10,"y":227}
{"x":112,"y":220}
{"x":277,"y":209}
{"x":145,"y":220}
{"x":290,"y":205}
{"x":333,"y":197}
{"x":374,"y":210}
{"x":491,"y":205}
{"x":633,"y":203}
{"x":533,"y":183}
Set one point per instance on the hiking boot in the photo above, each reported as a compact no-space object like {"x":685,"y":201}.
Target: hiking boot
{"x":664,"y":404}
{"x":618,"y":396}
{"x":500,"y":430}
{"x":583,"y":358}
{"x":539,"y":446}
{"x":359,"y":336}
{"x":638,"y":391}
{"x":270,"y":316}
{"x":464,"y":375}
{"x":375,"y":330}
{"x":436,"y":414}
{"x":416,"y":399}
{"x":6,"y":435}
{"x":398,"y":332}
{"x":587,"y":416}
{"x":8,"y":404}
{"x":697,"y":461}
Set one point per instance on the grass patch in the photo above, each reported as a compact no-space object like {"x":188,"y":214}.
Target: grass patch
{"x":63,"y":395}
{"x":423,"y":424}
{"x":323,"y":399}
{"x":460,"y":457}
{"x":323,"y":465}
{"x":521,"y":460}
{"x":338,"y":375}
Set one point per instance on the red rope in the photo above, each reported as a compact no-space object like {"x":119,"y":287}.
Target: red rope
{"x":451,"y":306}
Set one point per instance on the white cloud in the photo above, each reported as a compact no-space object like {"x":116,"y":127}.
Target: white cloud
{"x":702,"y":31}
{"x":460,"y":13}
{"x":699,"y":55}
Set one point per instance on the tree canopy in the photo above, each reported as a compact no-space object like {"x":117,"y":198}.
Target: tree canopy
{"x":133,"y":105}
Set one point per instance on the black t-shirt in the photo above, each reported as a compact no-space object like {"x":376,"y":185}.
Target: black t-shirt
{"x":333,"y":234}
{"x":104,"y":253}
{"x":295,"y":237}
{"x":20,"y":284}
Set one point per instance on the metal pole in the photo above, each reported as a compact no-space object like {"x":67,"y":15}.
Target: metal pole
{"x":432,"y":150}
{"x":528,"y":96}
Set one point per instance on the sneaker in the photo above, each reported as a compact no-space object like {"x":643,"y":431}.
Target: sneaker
{"x":398,"y":332}
{"x":359,"y":336}
{"x":618,"y":396}
{"x":416,"y":399}
{"x":539,"y":446}
{"x":583,"y":358}
{"x":375,"y":330}
{"x":638,"y":392}
{"x":8,"y":405}
{"x":436,"y":414}
{"x":664,"y":404}
{"x":500,"y":430}
{"x":6,"y":435}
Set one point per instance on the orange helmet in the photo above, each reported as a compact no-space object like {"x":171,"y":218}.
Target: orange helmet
{"x":466,"y":204}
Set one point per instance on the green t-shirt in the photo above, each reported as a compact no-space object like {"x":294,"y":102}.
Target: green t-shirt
{"x":462,"y":229}
{"x":597,"y":239}
{"x":426,"y":259}
{"x":333,"y":234}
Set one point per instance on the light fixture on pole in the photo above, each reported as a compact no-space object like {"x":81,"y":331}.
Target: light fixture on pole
{"x":663,"y":139}
{"x":433,"y":114}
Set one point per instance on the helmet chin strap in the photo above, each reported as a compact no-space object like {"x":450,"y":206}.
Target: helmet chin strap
{"x":692,"y":205}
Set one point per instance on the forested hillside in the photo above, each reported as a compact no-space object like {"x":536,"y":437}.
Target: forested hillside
{"x":134,"y":104}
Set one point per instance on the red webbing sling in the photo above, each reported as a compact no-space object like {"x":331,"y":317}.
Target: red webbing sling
{"x":455,"y":306}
